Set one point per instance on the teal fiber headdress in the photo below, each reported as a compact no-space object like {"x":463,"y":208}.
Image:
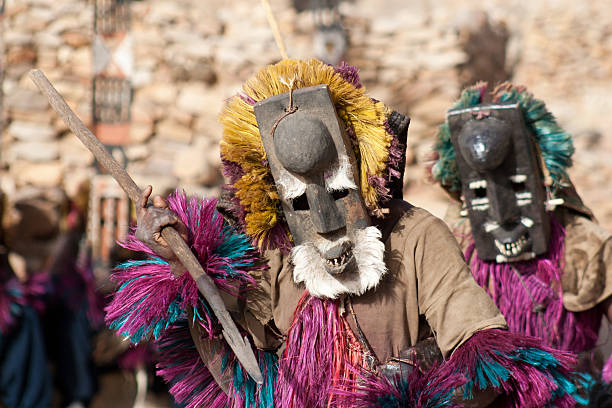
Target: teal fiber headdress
{"x":553,"y":142}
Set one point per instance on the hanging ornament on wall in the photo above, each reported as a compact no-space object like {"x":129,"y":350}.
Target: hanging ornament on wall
{"x":330,"y":39}
{"x":113,"y":65}
{"x":108,"y":222}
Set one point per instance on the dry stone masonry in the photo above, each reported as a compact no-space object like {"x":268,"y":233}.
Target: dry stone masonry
{"x":191,"y":55}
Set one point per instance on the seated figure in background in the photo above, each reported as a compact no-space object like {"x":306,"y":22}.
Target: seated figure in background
{"x":45,"y":302}
{"x":341,"y":286}
{"x":24,"y":377}
{"x":530,"y":241}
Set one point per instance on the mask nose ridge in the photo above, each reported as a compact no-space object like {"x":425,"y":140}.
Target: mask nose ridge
{"x":324,"y":213}
{"x":502,"y":209}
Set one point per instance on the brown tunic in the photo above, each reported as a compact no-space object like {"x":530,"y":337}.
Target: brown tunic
{"x":587,"y":276}
{"x":428,"y":288}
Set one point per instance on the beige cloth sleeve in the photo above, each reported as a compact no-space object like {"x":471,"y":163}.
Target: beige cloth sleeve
{"x":454,"y":305}
{"x":257,"y":314}
{"x":587,"y":276}
{"x":460,"y":226}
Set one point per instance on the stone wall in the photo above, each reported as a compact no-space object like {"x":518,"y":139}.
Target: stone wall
{"x":191,"y":55}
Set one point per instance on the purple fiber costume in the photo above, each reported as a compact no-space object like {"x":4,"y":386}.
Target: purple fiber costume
{"x":530,"y":241}
{"x":550,"y":297}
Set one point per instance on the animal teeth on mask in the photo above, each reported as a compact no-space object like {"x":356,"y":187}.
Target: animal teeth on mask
{"x":523,"y":198}
{"x":511,"y":249}
{"x":477,"y":184}
{"x":309,"y":266}
{"x":499,"y":246}
{"x":337,"y":261}
{"x":480,"y":204}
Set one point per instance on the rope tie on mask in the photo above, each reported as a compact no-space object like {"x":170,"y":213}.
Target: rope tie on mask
{"x":290,"y":109}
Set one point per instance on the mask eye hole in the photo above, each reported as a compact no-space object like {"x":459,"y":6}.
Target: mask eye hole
{"x":300,"y":203}
{"x":478,"y":188}
{"x":338,"y":194}
{"x":518,"y":187}
{"x":480,"y":192}
{"x":518,"y":183}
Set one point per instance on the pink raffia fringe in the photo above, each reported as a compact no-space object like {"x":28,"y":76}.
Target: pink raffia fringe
{"x":525,"y":374}
{"x":523,"y":370}
{"x":320,"y":356}
{"x":606,"y":372}
{"x":180,"y":365}
{"x":538,"y":310}
{"x":152,"y":303}
{"x":150,"y":298}
{"x":11,"y":301}
{"x":323,"y":365}
{"x":415,"y":390}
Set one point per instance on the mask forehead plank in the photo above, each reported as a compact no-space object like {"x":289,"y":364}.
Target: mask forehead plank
{"x":501,"y":181}
{"x":312,"y":158}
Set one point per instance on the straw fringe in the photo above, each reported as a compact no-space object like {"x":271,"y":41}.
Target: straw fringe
{"x":179,"y":364}
{"x":413,"y":389}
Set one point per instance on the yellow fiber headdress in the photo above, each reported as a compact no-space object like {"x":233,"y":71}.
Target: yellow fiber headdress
{"x":256,"y":200}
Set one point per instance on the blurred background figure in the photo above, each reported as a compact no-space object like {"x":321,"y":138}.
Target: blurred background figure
{"x":42,"y":231}
{"x":24,"y":377}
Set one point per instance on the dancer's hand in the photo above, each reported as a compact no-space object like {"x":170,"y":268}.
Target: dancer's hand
{"x":152,"y":219}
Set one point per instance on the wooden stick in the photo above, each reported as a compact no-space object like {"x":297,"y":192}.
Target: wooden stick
{"x":275,"y":30}
{"x":206,"y":285}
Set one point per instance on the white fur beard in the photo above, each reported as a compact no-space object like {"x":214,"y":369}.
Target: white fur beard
{"x":369,"y":252}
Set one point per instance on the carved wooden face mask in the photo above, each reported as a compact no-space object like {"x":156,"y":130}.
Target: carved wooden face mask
{"x":501,"y":182}
{"x":313,"y":165}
